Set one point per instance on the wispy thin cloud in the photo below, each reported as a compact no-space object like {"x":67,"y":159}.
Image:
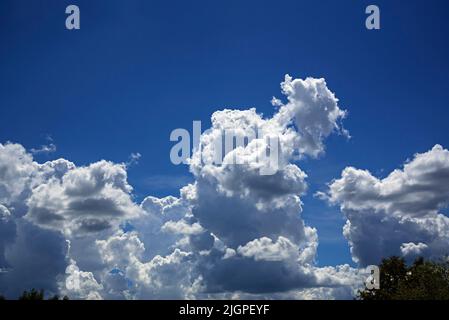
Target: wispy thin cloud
{"x":44,"y":149}
{"x":133,"y":159}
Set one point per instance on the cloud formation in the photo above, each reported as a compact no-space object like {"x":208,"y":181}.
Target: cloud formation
{"x":314,"y":110}
{"x":254,"y":217}
{"x":83,"y":200}
{"x":398,"y":215}
{"x":231,"y":233}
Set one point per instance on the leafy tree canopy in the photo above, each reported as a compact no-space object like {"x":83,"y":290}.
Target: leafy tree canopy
{"x":423,"y":280}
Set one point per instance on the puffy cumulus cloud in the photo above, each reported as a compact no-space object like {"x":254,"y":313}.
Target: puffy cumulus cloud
{"x":264,"y":268}
{"x":118,"y":250}
{"x":41,"y":205}
{"x":29,"y":256}
{"x":267,"y":250}
{"x":314,"y":110}
{"x":413,"y":249}
{"x":248,"y":197}
{"x":235,"y":232}
{"x":236,"y":220}
{"x":19,"y":174}
{"x":397,"y":215}
{"x":235,"y":190}
{"x":16,"y":173}
{"x":154,"y":224}
{"x":80,"y":284}
{"x":182,"y":227}
{"x":135,"y":276}
{"x":163,"y":277}
{"x":84,"y":200}
{"x":261,"y":266}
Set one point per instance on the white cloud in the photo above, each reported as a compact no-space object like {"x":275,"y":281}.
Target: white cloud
{"x":182,"y":227}
{"x":118,"y":250}
{"x":314,"y":110}
{"x":4,"y":213}
{"x":398,"y":214}
{"x":162,"y":277}
{"x":16,"y":173}
{"x":133,"y":159}
{"x":258,"y":216}
{"x":413,"y":249}
{"x":48,"y":148}
{"x":80,"y":284}
{"x":84,"y":200}
{"x":265,"y":249}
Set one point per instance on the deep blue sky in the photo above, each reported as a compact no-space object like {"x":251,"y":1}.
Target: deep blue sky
{"x":139,"y":69}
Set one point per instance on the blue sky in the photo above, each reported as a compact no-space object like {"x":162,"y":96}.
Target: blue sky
{"x":139,"y":69}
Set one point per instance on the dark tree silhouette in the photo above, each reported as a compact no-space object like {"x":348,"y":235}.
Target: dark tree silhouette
{"x":33,"y":294}
{"x":423,"y":280}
